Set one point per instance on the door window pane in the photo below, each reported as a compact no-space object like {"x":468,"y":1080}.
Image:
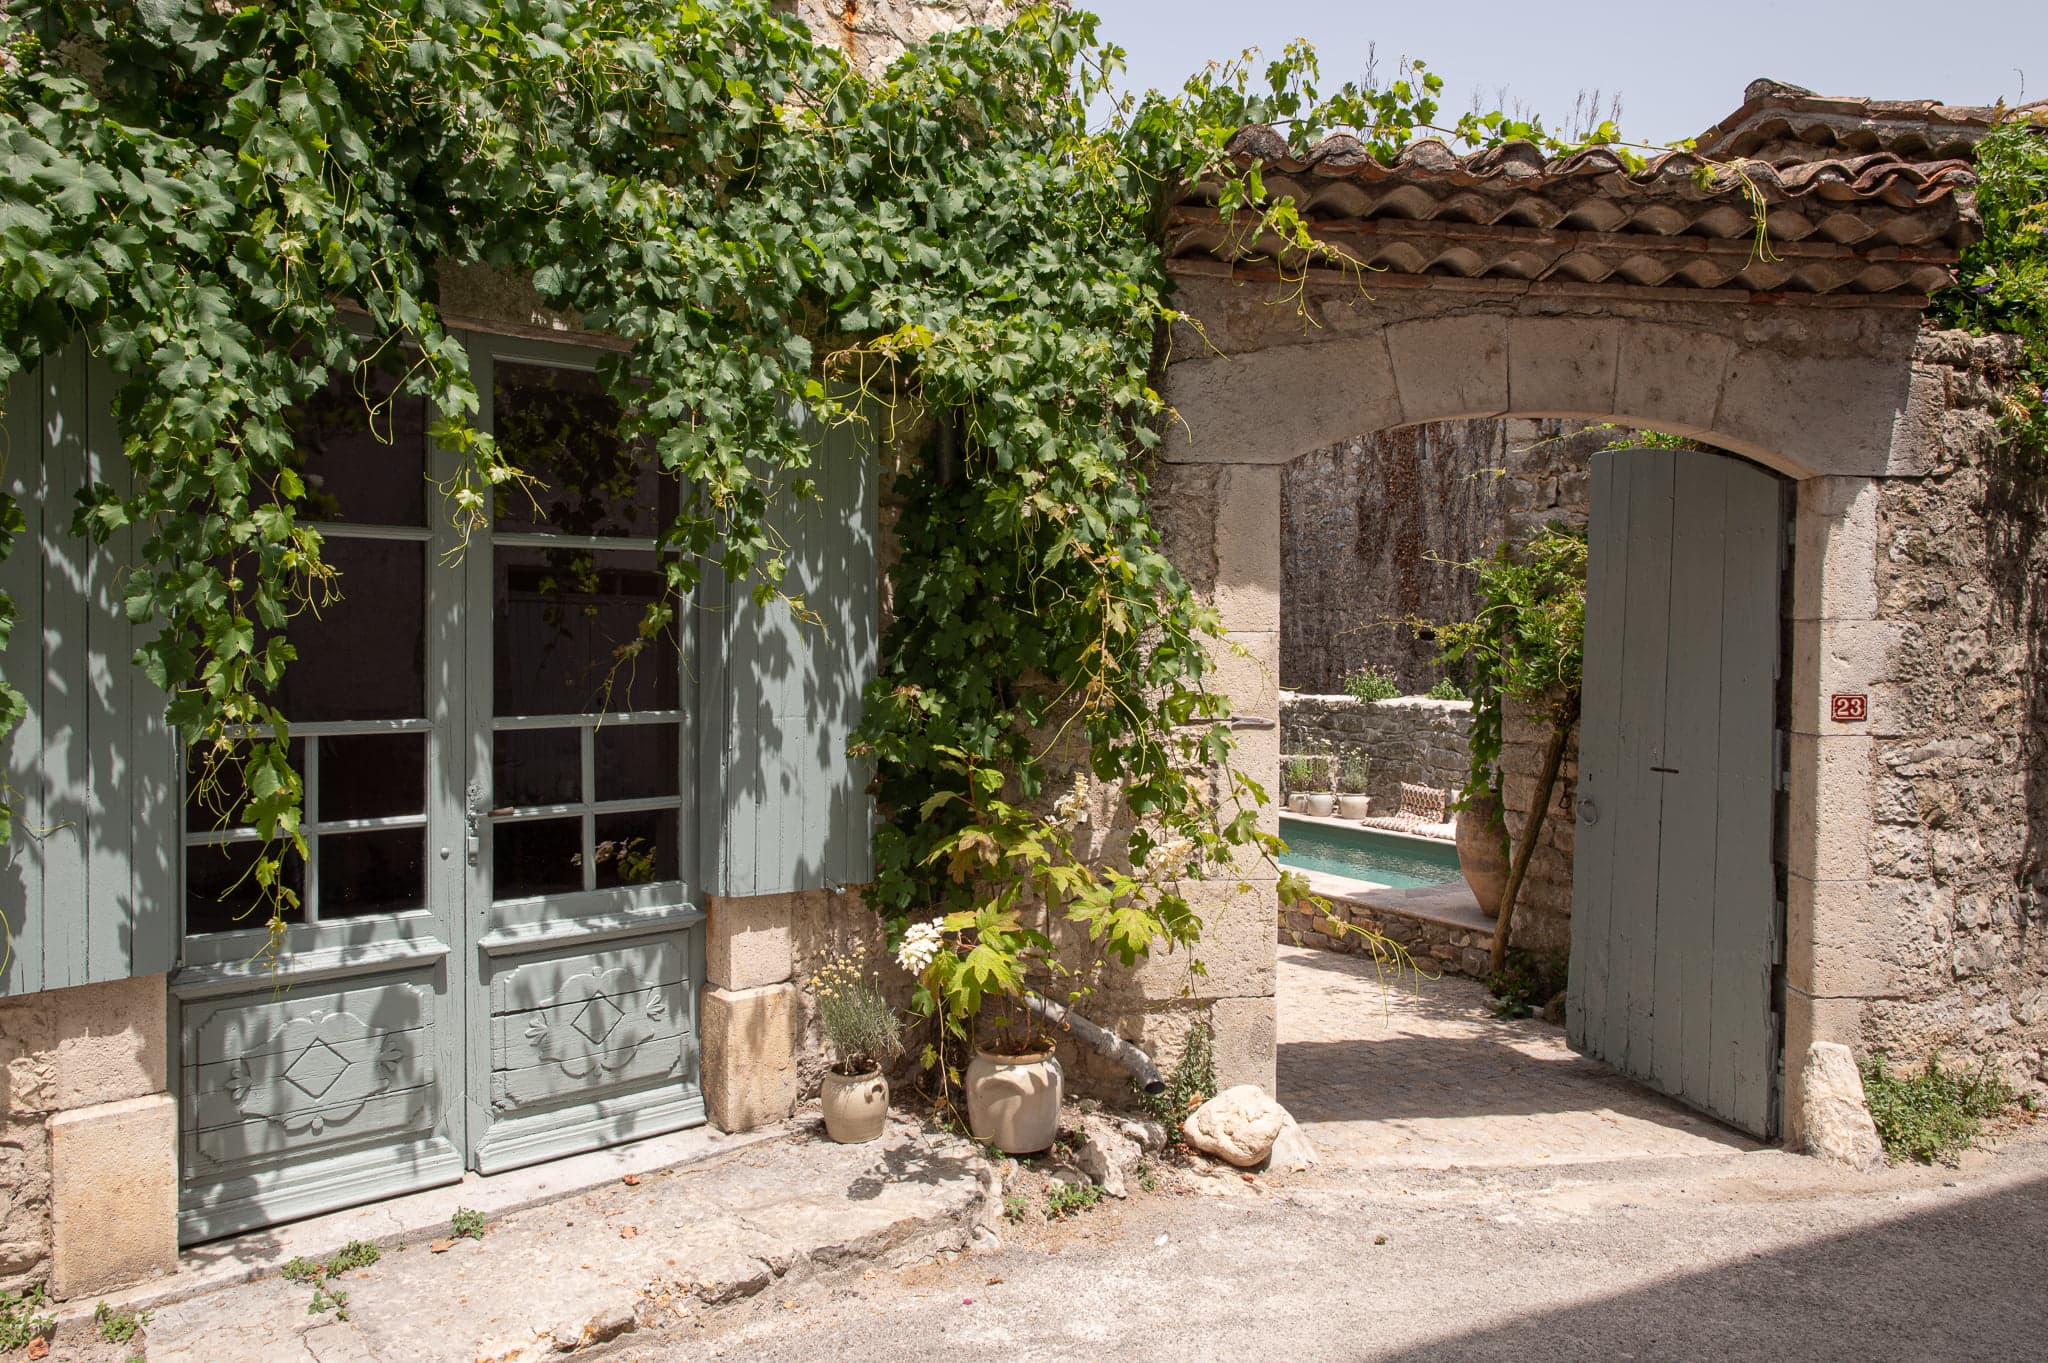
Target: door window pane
{"x":361,"y":448}
{"x":560,"y":427}
{"x":384,"y":871}
{"x":568,"y":633}
{"x":537,"y":767}
{"x":637,"y":848}
{"x":221,"y":894}
{"x":636,"y":761}
{"x":541,"y":857}
{"x":372,"y":776}
{"x":212,"y":807}
{"x":363,"y":656}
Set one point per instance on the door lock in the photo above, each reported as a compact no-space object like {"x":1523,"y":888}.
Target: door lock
{"x":1589,"y":813}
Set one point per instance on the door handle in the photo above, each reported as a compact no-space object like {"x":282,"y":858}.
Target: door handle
{"x":1589,"y":813}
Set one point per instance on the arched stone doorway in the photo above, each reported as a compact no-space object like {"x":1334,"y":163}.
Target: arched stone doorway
{"x":1513,"y":287}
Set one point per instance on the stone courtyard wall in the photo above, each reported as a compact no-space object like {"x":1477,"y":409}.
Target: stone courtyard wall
{"x":1954,"y":958}
{"x":1412,"y":739}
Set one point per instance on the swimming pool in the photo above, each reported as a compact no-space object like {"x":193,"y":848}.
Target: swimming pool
{"x":1367,"y":854}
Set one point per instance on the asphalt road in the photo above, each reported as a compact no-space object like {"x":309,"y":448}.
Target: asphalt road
{"x":1760,"y":1256}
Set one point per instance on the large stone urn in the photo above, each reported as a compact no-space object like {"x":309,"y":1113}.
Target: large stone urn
{"x":1013,"y":1101}
{"x":1482,"y":851}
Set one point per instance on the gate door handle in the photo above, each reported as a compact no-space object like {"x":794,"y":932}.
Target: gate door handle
{"x":1589,"y":813}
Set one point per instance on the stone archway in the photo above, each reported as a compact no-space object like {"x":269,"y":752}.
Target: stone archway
{"x":1515,"y":287}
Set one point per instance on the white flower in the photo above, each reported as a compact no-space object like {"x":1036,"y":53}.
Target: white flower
{"x":1072,"y":808}
{"x":920,"y":944}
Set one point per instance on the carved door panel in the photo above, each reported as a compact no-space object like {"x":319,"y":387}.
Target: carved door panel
{"x":582,"y":1027}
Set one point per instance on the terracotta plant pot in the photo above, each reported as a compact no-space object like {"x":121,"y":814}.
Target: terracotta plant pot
{"x":856,"y":1105}
{"x":1322,"y":806}
{"x":1482,"y":851}
{"x":1354,"y":806}
{"x":1013,"y":1101}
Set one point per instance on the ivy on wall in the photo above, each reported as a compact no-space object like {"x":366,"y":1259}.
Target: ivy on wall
{"x":232,"y":203}
{"x":2002,"y":280}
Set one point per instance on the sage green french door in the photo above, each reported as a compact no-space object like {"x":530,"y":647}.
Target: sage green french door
{"x":494,"y":951}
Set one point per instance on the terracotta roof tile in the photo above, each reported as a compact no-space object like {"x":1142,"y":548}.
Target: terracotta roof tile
{"x":1881,"y":215}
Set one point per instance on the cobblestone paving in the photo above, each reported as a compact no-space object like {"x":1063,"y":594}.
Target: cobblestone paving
{"x":1419,"y":1075}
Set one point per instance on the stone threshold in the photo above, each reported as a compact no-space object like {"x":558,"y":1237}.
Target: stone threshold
{"x":631,"y":1251}
{"x":421,"y":1216}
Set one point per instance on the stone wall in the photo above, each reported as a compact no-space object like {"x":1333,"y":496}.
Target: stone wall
{"x":88,"y":1138}
{"x":1413,"y":739}
{"x":1952,"y":955}
{"x":1434,"y":945}
{"x":1370,"y":532}
{"x":876,"y":32}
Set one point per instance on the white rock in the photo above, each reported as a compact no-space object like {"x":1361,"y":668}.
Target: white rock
{"x":1292,"y":1150}
{"x":1106,"y":1155}
{"x":1837,"y":1120}
{"x":1150,"y":1135}
{"x":1238,"y":1125}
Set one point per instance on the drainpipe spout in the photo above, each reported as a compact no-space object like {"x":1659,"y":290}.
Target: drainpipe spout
{"x":1101,"y":1039}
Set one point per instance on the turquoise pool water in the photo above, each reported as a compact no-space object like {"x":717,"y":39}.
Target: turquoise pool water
{"x":1364,"y":854}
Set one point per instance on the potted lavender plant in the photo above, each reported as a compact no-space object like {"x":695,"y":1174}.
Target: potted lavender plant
{"x":866,"y":1035}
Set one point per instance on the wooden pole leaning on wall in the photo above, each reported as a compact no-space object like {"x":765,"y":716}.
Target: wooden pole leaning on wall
{"x":1561,"y":728}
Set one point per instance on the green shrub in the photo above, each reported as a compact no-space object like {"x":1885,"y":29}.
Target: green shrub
{"x":1445,"y":689}
{"x":1372,"y":683}
{"x":1931,"y":1116}
{"x":1354,"y":775}
{"x":1062,"y":1200}
{"x":118,"y":1327}
{"x":1192,"y":1084}
{"x":1523,"y":984}
{"x":20,"y":1321}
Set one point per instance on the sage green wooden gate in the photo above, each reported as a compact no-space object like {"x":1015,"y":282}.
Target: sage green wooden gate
{"x":1676,"y":918}
{"x":499,"y":951}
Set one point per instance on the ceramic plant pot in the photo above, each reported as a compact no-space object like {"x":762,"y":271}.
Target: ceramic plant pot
{"x":1482,"y":851}
{"x":1298,"y":803}
{"x":1013,"y":1101}
{"x":1322,"y":806}
{"x":1354,"y":806}
{"x":856,"y":1105}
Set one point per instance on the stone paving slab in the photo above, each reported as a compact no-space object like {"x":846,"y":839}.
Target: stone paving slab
{"x":1407,"y":1073}
{"x":586,"y":1269}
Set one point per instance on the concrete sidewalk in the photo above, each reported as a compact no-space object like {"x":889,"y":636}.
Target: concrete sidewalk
{"x":639,"y":1250}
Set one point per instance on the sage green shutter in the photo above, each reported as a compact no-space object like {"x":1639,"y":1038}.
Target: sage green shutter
{"x":786,"y":809}
{"x":89,"y":888}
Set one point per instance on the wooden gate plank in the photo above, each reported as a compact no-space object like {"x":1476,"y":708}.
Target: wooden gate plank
{"x":1683,"y":1039}
{"x":1743,"y":1073}
{"x":1640,"y":742}
{"x":1587,"y":1000}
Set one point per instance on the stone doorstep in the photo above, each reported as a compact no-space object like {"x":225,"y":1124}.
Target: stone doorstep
{"x":421,"y":1216}
{"x":582,"y":1267}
